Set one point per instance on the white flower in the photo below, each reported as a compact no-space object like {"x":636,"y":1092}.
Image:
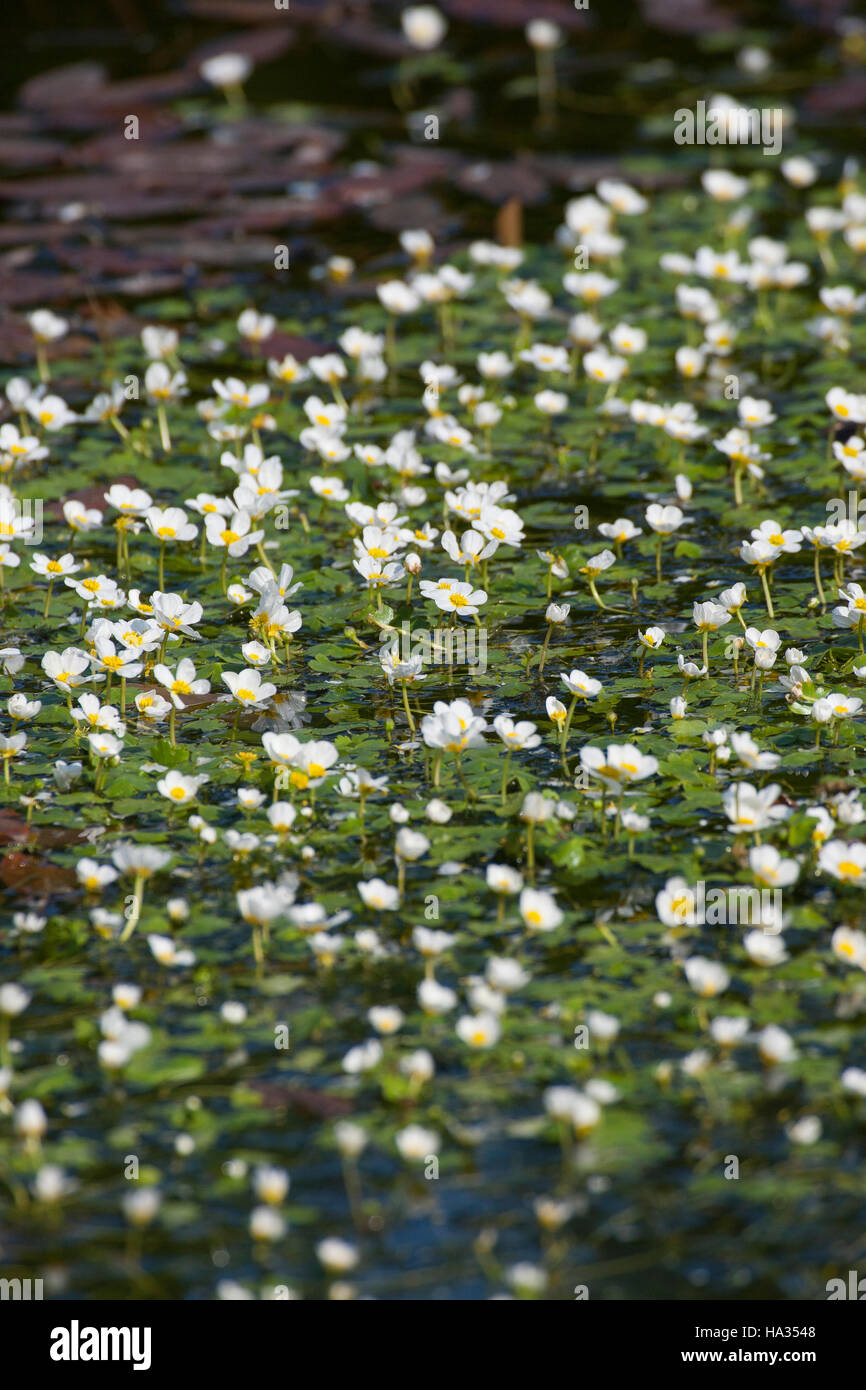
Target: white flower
{"x":478,"y":1030}
{"x":750,"y":809}
{"x":844,"y":861}
{"x":622,"y":764}
{"x":226,"y":69}
{"x":386,"y":1019}
{"x":516,"y":735}
{"x":543,"y":33}
{"x":141,"y":1205}
{"x":453,"y":727}
{"x":30,"y":1119}
{"x":337,"y":1256}
{"x":771,"y":869}
{"x":233,"y":1012}
{"x":706,"y":977}
{"x":536,"y":808}
{"x":604,"y":1026}
{"x":180,"y":788}
{"x":435,"y":998}
{"x":764,"y":949}
{"x":539,"y":910}
{"x":805,"y":1131}
{"x":728,"y":1031}
{"x":424,"y":26}
{"x":46,"y":326}
{"x":267,"y":1224}
{"x":271,"y":1184}
{"x":503,"y":879}
{"x":13,"y":1000}
{"x":411,"y":844}
{"x":166,"y":952}
{"x":140,"y":860}
{"x":377,"y":894}
{"x":505,"y":975}
{"x":775,"y":1045}
{"x":579,"y":683}
{"x":248,"y":689}
{"x":664,"y":520}
{"x":849,"y":946}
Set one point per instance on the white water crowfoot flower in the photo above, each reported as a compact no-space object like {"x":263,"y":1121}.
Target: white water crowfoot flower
{"x":142,"y":862}
{"x":459,"y":598}
{"x":11,"y":746}
{"x":234,"y":536}
{"x":46,"y":327}
{"x":174,"y":615}
{"x":617,"y":768}
{"x":581,"y":687}
{"x":761,"y":555}
{"x":170,"y":525}
{"x":751,"y":810}
{"x":52,"y":569}
{"x":248,"y":690}
{"x":163,"y":385}
{"x":539,"y":910}
{"x":706,"y":977}
{"x":689,"y":672}
{"x":182,"y":681}
{"x":452,"y":728}
{"x":650,"y":640}
{"x":595,"y":566}
{"x":843,"y":861}
{"x":180,"y":789}
{"x":520,"y":735}
{"x":709,"y":617}
{"x":664,"y":521}
{"x":228,"y":72}
{"x":556,"y":615}
{"x":504,"y":882}
{"x":536,"y":809}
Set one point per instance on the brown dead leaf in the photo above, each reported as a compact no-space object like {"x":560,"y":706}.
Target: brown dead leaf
{"x":33,"y":878}
{"x":318,"y":1105}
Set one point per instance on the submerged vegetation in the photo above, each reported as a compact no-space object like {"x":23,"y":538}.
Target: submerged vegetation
{"x":431,"y":732}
